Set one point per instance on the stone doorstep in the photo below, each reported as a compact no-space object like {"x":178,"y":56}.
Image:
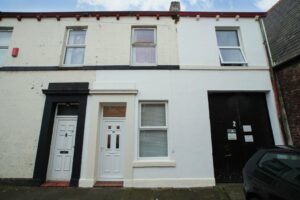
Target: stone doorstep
{"x":109,"y":184}
{"x":56,"y":184}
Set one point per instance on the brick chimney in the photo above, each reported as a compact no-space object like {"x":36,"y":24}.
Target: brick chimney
{"x":175,"y":6}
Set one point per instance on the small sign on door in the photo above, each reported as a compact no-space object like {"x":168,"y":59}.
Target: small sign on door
{"x":247,"y":128}
{"x":231,"y":136}
{"x":248,"y":138}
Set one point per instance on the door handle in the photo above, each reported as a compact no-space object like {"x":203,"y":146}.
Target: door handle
{"x":227,"y":155}
{"x":64,"y":152}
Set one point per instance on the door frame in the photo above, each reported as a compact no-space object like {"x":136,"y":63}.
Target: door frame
{"x":267,"y":112}
{"x":99,"y":151}
{"x":53,"y":144}
{"x":60,"y":93}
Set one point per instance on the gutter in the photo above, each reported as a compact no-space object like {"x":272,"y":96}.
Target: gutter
{"x":118,"y":14}
{"x":284,"y":125}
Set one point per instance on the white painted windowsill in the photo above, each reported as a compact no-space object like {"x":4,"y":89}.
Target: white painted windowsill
{"x":153,"y":163}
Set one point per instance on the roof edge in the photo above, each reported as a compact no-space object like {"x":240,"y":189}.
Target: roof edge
{"x":127,"y":14}
{"x":286,"y":62}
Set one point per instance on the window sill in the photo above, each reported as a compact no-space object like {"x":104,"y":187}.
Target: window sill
{"x":153,"y":163}
{"x":144,"y":65}
{"x":234,"y":64}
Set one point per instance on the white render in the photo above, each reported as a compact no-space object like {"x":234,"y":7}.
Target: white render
{"x":190,"y":43}
{"x":22,"y":105}
{"x":190,"y":161}
{"x":198,"y":48}
{"x":107,"y":40}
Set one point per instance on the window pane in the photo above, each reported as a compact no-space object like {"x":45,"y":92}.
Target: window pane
{"x":74,"y":56}
{"x":143,"y":35}
{"x":153,"y":143}
{"x":108,"y":141}
{"x":5,"y":37}
{"x":232,"y":55}
{"x":144,"y":55}
{"x":118,"y":142}
{"x":114,"y":111}
{"x":77,"y":37}
{"x":285,"y":165}
{"x":3,"y":53}
{"x":67,"y":109}
{"x":227,"y":38}
{"x":153,"y":115}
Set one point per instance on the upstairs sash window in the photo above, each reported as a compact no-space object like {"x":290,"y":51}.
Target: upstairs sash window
{"x":229,"y":47}
{"x":75,"y":47}
{"x":5,"y":36}
{"x":144,"y":46}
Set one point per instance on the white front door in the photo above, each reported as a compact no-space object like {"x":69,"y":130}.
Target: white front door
{"x":62,"y":148}
{"x":110,"y":149}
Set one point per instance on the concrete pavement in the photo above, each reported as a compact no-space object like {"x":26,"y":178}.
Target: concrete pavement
{"x":220,"y":192}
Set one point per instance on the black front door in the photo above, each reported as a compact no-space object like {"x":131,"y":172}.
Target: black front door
{"x":239,"y":126}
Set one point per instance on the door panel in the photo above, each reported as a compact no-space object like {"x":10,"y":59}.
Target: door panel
{"x":110,"y":166}
{"x":62,"y":149}
{"x":239,"y":125}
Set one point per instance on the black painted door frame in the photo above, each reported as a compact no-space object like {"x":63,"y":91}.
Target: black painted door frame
{"x":60,"y":93}
{"x":231,"y":115}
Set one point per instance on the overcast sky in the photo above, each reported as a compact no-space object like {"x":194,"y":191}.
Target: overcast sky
{"x":121,"y":5}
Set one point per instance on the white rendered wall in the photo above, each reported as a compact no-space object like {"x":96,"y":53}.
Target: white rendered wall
{"x":197,"y":42}
{"x":108,"y":41}
{"x":189,"y":125}
{"x":22,"y":105}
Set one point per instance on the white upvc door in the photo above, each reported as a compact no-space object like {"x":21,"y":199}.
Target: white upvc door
{"x":62,"y":148}
{"x":111,"y":136}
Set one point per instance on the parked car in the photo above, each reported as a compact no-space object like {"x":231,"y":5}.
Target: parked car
{"x":273,"y":174}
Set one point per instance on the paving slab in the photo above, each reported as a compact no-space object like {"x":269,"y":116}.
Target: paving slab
{"x":234,"y":191}
{"x":56,"y":193}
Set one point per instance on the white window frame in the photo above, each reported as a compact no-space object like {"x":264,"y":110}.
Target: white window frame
{"x":143,"y":44}
{"x":231,"y":47}
{"x":73,"y":46}
{"x":142,"y":128}
{"x":5,"y":47}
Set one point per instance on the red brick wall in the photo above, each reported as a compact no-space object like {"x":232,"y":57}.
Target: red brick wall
{"x":289,"y":80}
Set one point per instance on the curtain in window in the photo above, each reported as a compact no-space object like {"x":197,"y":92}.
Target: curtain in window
{"x":74,"y":56}
{"x":153,"y":143}
{"x":76,"y":37}
{"x":153,"y":115}
{"x":144,"y":54}
{"x":144,"y":35}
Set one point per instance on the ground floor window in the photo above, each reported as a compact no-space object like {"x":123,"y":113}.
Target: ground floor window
{"x":153,"y":129}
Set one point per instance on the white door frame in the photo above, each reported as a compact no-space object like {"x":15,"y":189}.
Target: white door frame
{"x":52,"y":147}
{"x":99,"y":149}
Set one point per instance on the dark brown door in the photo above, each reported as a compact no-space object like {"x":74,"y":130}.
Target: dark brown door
{"x":239,"y":126}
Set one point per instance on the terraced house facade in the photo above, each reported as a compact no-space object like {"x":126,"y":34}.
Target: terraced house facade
{"x":141,"y":99}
